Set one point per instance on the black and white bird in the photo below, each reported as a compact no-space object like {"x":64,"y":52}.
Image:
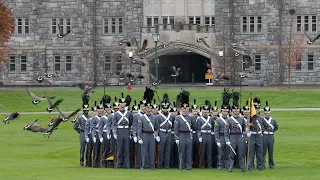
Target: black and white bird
{"x":86,"y":88}
{"x":239,"y":46}
{"x":240,"y":52}
{"x":126,"y":42}
{"x":54,"y":126}
{"x":64,"y":116}
{"x":155,"y":81}
{"x":121,"y":75}
{"x":42,"y":79}
{"x":11,"y":117}
{"x":53,"y":105}
{"x":199,"y":40}
{"x":34,"y":127}
{"x":61,"y":34}
{"x":221,"y":76}
{"x":176,"y":71}
{"x":311,"y":40}
{"x":141,"y":49}
{"x":36,"y":99}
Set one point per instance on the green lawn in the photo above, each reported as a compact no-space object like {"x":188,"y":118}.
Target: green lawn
{"x":26,"y":155}
{"x":19,"y":100}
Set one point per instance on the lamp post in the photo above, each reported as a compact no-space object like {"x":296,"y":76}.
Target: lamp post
{"x":224,"y":67}
{"x":156,"y":37}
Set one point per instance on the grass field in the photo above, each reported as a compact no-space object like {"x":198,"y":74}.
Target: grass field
{"x":26,"y":155}
{"x":19,"y":100}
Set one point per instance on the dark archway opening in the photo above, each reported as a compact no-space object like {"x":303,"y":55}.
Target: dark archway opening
{"x":191,"y":64}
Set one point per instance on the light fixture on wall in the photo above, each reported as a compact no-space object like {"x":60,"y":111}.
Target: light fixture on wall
{"x":130,"y":54}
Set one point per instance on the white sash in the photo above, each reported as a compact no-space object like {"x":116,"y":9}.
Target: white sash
{"x":206,"y":122}
{"x":245,"y":120}
{"x":223,"y":120}
{"x":234,"y":119}
{"x":184,"y":119}
{"x":84,"y":117}
{"x":259,"y":125}
{"x":149,"y":121}
{"x":269,"y":122}
{"x":98,"y":121}
{"x":166,"y":119}
{"x":123,"y":116}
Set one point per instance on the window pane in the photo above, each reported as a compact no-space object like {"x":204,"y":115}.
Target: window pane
{"x":171,"y":20}
{"x":244,"y":24}
{"x":197,"y":20}
{"x":190,"y":20}
{"x":310,"y":62}
{"x":149,"y":21}
{"x":23,"y":63}
{"x":26,"y":26}
{"x":155,"y":21}
{"x":57,"y":63}
{"x":68,"y":63}
{"x":207,"y":21}
{"x":298,"y":64}
{"x":259,"y":26}
{"x":165,"y":20}
{"x":54,"y":26}
{"x":306,"y":23}
{"x":257,"y":63}
{"x":12,"y":63}
{"x":68,"y":24}
{"x":61,"y":24}
{"x":120,"y":26}
{"x":314,"y":24}
{"x":251,"y":24}
{"x":19,"y":26}
{"x":107,"y":62}
{"x":298,"y":23}
{"x":113,"y":25}
{"x":118,"y":62}
{"x":213,"y":21}
{"x":106,"y":26}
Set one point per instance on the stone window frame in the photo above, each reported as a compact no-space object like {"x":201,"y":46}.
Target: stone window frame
{"x":23,"y":24}
{"x":154,"y":21}
{"x":57,"y":64}
{"x":23,"y":65}
{"x":298,"y":64}
{"x":310,"y":62}
{"x":311,"y":23}
{"x":109,"y":23}
{"x":68,"y":63}
{"x":107,"y":62}
{"x":66,"y":25}
{"x":211,"y":20}
{"x":257,"y":65}
{"x":194,"y":19}
{"x":170,"y":18}
{"x":12,"y":63}
{"x":251,"y":24}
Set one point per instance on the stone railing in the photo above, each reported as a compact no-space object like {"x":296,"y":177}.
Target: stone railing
{"x":185,"y":27}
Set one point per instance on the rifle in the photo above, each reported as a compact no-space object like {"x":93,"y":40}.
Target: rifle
{"x":158,"y":155}
{"x":94,"y":154}
{"x":200,"y":155}
{"x":249,"y":127}
{"x":87,"y":154}
{"x":101,"y":144}
{"x":135,"y":155}
{"x":115,"y":154}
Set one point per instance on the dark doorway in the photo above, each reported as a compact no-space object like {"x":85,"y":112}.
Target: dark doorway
{"x":190,"y":63}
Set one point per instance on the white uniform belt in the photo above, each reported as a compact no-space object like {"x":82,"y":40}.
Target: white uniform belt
{"x":165,"y":130}
{"x":206,"y":131}
{"x":267,"y":132}
{"x":212,"y":133}
{"x":193,"y":132}
{"x":123,"y":127}
{"x":172,"y":132}
{"x":259,"y":132}
{"x":104,"y":130}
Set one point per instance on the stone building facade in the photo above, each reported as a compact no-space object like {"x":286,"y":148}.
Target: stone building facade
{"x":92,"y":51}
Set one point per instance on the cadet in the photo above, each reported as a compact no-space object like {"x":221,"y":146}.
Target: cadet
{"x":147,"y":132}
{"x":205,"y":127}
{"x":120,"y":127}
{"x":219,"y":127}
{"x":79,"y":126}
{"x":195,"y":139}
{"x":246,"y":114}
{"x":214,"y":115}
{"x":97,"y":147}
{"x":165,"y":122}
{"x":235,"y":126}
{"x":183,"y":135}
{"x":102,"y":132}
{"x":174,"y":154}
{"x":269,"y":127}
{"x":255,"y":135}
{"x":90,"y":132}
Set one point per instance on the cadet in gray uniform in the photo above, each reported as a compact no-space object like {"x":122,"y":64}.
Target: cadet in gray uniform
{"x":80,"y":126}
{"x":205,"y":126}
{"x":235,"y":126}
{"x":219,"y":128}
{"x":183,"y":135}
{"x":112,"y":141}
{"x":97,"y":147}
{"x":121,"y":131}
{"x":165,"y":122}
{"x":102,"y":132}
{"x":214,"y":115}
{"x":246,"y":114}
{"x":269,"y":127}
{"x":147,"y":133}
{"x":174,"y":154}
{"x":195,"y":139}
{"x":256,"y":142}
{"x":90,"y":132}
